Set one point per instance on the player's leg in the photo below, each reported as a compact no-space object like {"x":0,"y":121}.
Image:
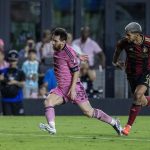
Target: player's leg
{"x":100,"y":115}
{"x":147,"y":82}
{"x":82,"y":101}
{"x":148,"y":100}
{"x":51,"y":101}
{"x":139,"y":100}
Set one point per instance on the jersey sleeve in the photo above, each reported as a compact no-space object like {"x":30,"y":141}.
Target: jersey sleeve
{"x":118,"y":49}
{"x":72,"y":61}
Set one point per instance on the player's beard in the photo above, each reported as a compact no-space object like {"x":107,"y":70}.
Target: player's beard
{"x":133,"y":41}
{"x":130,"y":40}
{"x":57,"y":48}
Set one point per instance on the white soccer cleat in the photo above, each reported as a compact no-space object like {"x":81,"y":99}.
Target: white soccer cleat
{"x":46,"y":127}
{"x":118,"y":127}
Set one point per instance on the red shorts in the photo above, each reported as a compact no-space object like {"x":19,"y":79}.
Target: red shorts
{"x":81,"y":95}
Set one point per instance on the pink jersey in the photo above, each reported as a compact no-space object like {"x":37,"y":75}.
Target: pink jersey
{"x":65,"y":63}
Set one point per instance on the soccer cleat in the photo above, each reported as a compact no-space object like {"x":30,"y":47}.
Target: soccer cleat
{"x":118,"y":127}
{"x":126,"y":129}
{"x":46,"y":127}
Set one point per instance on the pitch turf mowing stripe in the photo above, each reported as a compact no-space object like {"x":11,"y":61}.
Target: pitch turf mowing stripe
{"x":122,"y":138}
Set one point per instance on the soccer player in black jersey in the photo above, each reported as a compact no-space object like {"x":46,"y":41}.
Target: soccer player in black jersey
{"x":137,"y":67}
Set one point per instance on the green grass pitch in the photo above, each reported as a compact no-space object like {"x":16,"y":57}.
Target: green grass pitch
{"x":73,"y":133}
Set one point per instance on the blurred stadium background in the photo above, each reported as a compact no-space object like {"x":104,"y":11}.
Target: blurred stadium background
{"x":106,"y":18}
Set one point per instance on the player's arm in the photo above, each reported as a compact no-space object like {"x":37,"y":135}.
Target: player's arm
{"x":82,"y":57}
{"x":116,"y":62}
{"x":79,"y":54}
{"x":75,"y":79}
{"x":72,"y":90}
{"x":74,"y":69}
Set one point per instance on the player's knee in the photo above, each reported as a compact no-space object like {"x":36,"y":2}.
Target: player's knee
{"x":138,"y":96}
{"x":48,"y":102}
{"x":144,"y":102}
{"x":88,"y":113}
{"x":45,"y":103}
{"x":137,"y":103}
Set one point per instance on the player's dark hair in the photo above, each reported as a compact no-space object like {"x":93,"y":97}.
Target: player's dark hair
{"x":60,"y":32}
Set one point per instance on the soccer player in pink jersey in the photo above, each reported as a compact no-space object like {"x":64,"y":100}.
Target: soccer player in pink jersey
{"x":69,"y":87}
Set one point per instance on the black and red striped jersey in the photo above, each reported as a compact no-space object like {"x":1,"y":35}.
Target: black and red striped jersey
{"x":138,"y":56}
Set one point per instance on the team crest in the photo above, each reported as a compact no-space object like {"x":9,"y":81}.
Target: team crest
{"x":145,"y":49}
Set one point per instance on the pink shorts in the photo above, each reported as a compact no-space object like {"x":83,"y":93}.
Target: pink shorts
{"x":81,"y":94}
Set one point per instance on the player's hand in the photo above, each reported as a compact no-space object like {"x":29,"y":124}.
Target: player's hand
{"x":83,"y":57}
{"x":72,"y":93}
{"x":119,"y":64}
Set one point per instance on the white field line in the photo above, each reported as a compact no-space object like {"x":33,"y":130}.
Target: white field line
{"x":78,"y":137}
